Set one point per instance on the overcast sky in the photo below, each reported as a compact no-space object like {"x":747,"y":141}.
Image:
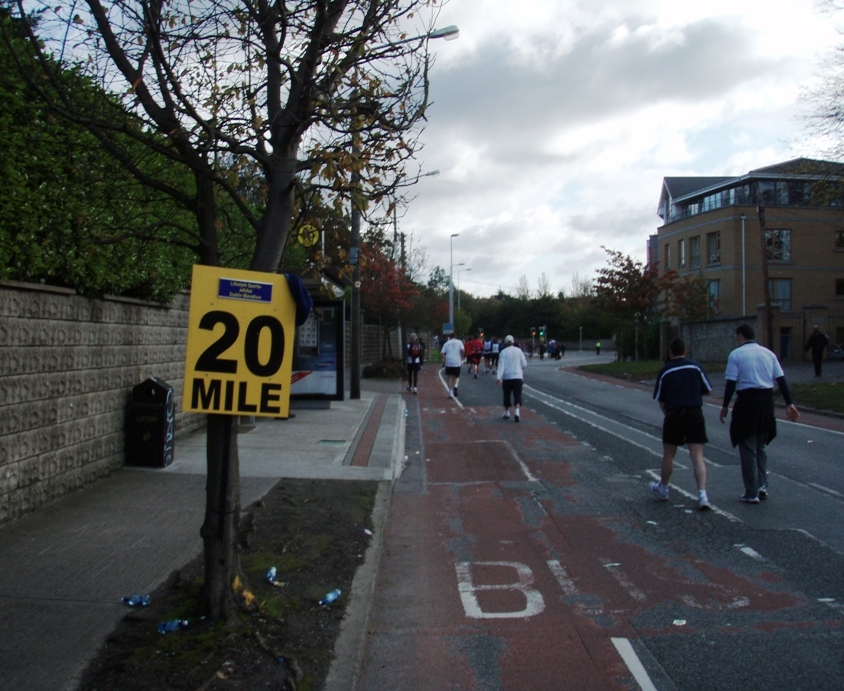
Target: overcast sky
{"x":553,"y":123}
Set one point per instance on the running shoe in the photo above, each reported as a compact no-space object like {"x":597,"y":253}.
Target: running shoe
{"x":506,"y":416}
{"x":658,"y":490}
{"x":763,"y":492}
{"x":516,"y":416}
{"x":455,"y":392}
{"x":749,"y":500}
{"x":703,"y":504}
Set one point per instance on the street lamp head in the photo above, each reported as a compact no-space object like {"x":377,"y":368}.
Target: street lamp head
{"x":454,"y":235}
{"x":449,"y":33}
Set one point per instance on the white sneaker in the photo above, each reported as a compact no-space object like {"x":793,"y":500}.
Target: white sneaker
{"x":415,"y":390}
{"x":659,"y":490}
{"x":516,"y":416}
{"x":703,"y":502}
{"x":506,"y":416}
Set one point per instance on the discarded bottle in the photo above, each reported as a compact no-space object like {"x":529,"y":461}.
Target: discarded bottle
{"x":136,"y":600}
{"x":329,"y":598}
{"x":271,"y":574}
{"x":172,"y":625}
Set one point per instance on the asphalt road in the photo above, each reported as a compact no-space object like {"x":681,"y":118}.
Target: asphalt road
{"x":531,"y":555}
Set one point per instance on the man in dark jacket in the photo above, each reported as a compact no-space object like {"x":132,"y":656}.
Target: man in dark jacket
{"x":680,"y":387}
{"x":751,"y":372}
{"x":816,"y":343}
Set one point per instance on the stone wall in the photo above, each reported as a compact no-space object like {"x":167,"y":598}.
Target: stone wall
{"x":67,"y":368}
{"x":712,"y":340}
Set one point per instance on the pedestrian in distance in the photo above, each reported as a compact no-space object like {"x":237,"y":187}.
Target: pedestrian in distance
{"x":752,"y":370}
{"x":415,"y":356}
{"x":452,"y":357}
{"x":511,"y":374}
{"x":816,"y":343}
{"x":474,"y":353}
{"x":680,"y":387}
{"x":487,"y":354}
{"x":598,"y":348}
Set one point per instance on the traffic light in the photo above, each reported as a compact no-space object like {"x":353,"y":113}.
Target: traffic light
{"x":542,"y":332}
{"x":533,"y":331}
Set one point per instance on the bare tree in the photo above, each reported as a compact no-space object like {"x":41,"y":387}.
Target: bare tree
{"x":543,"y":285}
{"x":230,"y":90}
{"x":581,"y":287}
{"x":523,"y":289}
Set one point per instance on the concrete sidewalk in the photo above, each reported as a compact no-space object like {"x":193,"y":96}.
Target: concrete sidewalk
{"x":65,"y":568}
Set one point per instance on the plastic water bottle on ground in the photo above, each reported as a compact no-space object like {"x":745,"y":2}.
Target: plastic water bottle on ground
{"x":329,"y":598}
{"x":172,"y":625}
{"x":136,"y":600}
{"x":271,"y":574}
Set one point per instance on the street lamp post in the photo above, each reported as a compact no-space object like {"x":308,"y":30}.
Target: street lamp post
{"x":451,"y":281}
{"x":581,"y":339}
{"x":449,"y":33}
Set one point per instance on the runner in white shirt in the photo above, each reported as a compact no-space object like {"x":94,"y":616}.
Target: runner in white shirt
{"x":452,"y":356}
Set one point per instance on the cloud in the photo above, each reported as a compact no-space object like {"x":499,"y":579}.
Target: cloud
{"x":553,"y":126}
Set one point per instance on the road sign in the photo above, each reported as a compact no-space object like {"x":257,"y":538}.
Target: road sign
{"x":448,"y":328}
{"x":240,"y":343}
{"x":308,"y":236}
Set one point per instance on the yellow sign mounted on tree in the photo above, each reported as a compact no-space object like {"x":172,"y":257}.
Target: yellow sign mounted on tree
{"x":240,"y":343}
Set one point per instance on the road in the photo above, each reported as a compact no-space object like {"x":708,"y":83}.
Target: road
{"x":531,"y":556}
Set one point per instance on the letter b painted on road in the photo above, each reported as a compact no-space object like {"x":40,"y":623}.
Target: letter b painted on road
{"x":468,"y":589}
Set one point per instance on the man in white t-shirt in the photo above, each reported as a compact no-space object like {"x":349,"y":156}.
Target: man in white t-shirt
{"x":511,"y":374}
{"x":452,"y":356}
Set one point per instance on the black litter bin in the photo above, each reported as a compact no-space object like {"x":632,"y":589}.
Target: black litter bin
{"x":151,"y":425}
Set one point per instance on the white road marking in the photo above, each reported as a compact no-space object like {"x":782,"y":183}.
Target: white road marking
{"x":637,"y":669}
{"x":565,"y":581}
{"x":534,"y":603}
{"x":552,"y":403}
{"x":656,"y":476}
{"x":827,"y":490}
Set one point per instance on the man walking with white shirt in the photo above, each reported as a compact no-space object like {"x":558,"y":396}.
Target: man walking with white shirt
{"x":511,"y":375}
{"x":752,"y":370}
{"x":452,"y":356}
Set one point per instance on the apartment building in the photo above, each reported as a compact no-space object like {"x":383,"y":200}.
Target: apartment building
{"x":718,"y":226}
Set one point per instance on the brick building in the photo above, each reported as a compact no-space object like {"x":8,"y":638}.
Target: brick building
{"x":715,"y":226}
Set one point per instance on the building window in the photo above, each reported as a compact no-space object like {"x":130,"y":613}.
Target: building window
{"x":778,"y":243}
{"x":713,"y":248}
{"x":694,"y":251}
{"x":681,"y":252}
{"x":667,"y":256}
{"x":713,"y":292}
{"x":780,"y":289}
{"x":839,"y":239}
{"x":839,"y":287}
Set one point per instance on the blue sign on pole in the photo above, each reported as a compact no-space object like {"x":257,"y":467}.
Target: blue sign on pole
{"x":448,"y":328}
{"x":251,"y":291}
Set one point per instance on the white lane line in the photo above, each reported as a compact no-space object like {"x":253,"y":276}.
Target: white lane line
{"x":637,"y":669}
{"x":565,"y":581}
{"x":551,"y":402}
{"x":445,"y":386}
{"x":829,"y":491}
{"x":514,"y":454}
{"x":655,"y":474}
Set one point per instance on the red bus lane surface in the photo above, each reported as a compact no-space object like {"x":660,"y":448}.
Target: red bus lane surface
{"x":498,"y":573}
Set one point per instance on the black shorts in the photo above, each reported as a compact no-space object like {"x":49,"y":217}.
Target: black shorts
{"x":453,"y":371}
{"x":684,"y":426}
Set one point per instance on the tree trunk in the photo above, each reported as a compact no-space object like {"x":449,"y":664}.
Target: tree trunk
{"x":275,"y":224}
{"x":222,"y":514}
